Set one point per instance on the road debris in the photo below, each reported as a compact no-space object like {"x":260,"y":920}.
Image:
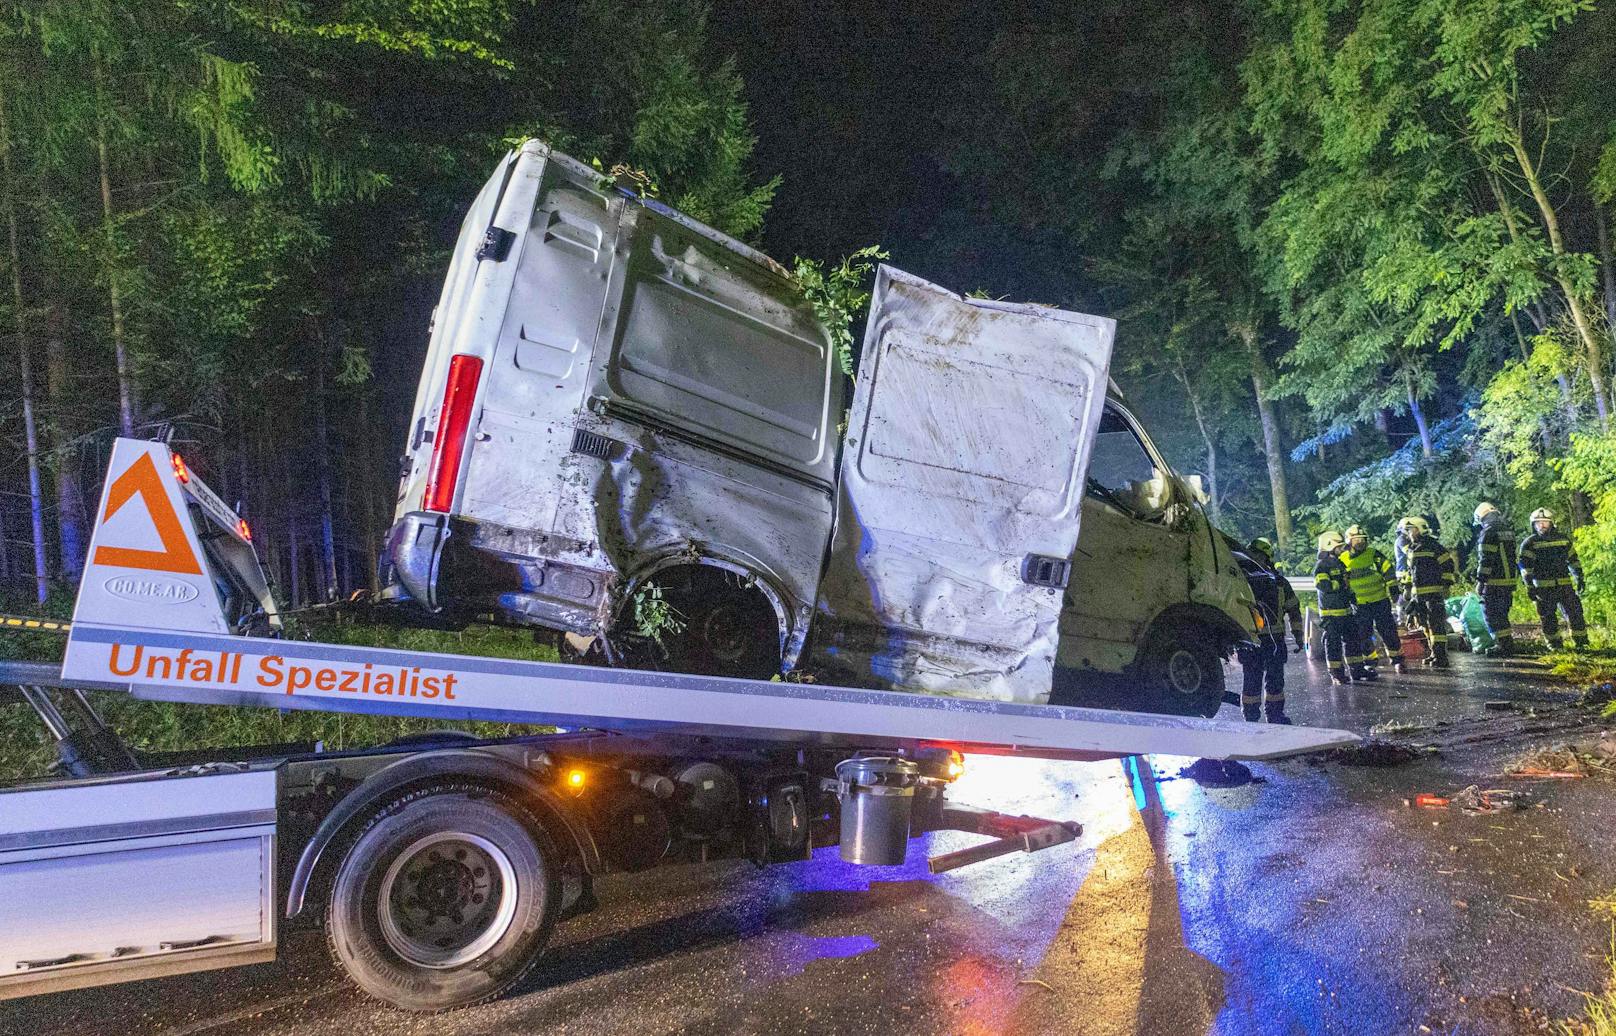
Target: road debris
{"x":1475,"y":801}
{"x":1224,"y":773}
{"x":1373,"y":752}
{"x":1569,"y":760}
{"x":1393,"y":727}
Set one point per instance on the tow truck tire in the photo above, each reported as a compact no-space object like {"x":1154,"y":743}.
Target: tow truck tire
{"x":445,"y":899}
{"x":1182,"y":673}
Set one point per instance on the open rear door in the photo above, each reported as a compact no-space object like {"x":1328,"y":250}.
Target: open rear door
{"x":961,"y":487}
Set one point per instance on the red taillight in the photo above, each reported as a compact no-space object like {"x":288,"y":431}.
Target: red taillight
{"x":242,"y":530}
{"x":448,"y":443}
{"x":181,"y":472}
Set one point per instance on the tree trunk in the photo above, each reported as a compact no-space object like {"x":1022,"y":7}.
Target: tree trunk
{"x":1214,"y":510}
{"x":1607,"y":267}
{"x":70,"y":514}
{"x":1273,"y":443}
{"x":1427,"y":447}
{"x":328,"y":539}
{"x":1574,"y":302}
{"x":25,"y":367}
{"x":370,"y":514}
{"x":120,"y":352}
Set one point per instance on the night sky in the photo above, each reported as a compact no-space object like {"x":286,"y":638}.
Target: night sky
{"x":860,"y":108}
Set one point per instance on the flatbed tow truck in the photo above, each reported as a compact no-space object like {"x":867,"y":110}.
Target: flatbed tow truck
{"x":439,"y":865}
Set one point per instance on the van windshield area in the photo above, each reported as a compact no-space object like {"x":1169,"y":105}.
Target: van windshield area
{"x":1121,"y":472}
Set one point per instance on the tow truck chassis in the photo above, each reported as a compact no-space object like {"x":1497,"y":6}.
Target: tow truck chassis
{"x":439,"y":864}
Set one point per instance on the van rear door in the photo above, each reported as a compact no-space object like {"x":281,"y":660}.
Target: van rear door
{"x":961,"y":486}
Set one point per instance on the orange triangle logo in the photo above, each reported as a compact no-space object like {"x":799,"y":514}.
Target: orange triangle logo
{"x":141,"y":479}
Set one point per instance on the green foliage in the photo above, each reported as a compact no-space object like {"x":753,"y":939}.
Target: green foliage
{"x":1589,"y":468}
{"x":654,"y":617}
{"x":285,"y":182}
{"x":837,"y":294}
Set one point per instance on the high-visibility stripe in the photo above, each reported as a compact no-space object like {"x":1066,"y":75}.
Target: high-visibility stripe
{"x":1510,"y":581}
{"x":1335,"y":612}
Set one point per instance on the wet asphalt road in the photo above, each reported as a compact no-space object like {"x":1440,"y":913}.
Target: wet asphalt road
{"x":1313,"y":901}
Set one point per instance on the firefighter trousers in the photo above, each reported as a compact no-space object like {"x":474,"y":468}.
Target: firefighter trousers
{"x":1430,"y":612}
{"x":1495,"y":602}
{"x":1340,"y":642}
{"x":1262,"y":669}
{"x":1376,"y":618}
{"x":1551,"y":601}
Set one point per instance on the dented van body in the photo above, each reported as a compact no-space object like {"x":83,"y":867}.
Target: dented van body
{"x":628,"y":431}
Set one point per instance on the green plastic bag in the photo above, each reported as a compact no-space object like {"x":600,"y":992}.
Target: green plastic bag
{"x":1468,"y":611}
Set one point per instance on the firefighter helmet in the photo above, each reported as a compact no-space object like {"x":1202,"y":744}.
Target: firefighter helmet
{"x":1415,"y":523}
{"x":1542,"y":514}
{"x":1262,"y":546}
{"x":1331,"y":540}
{"x":1355,"y":532}
{"x":1484,"y":510}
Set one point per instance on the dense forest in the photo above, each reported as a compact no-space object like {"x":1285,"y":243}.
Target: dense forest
{"x":1361,"y":251}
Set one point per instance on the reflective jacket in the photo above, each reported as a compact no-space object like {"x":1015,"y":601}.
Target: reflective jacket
{"x":1369,"y":574}
{"x":1330,"y":579}
{"x":1429,"y":567}
{"x":1549,"y":560}
{"x":1276,"y":601}
{"x":1495,"y":556}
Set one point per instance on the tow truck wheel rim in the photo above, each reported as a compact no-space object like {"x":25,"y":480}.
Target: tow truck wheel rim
{"x":1184,"y":672}
{"x":447,"y":899}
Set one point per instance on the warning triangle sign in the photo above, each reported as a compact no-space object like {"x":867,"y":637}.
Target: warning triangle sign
{"x":142,"y":479}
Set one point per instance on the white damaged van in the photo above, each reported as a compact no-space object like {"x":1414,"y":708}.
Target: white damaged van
{"x":627,"y":431}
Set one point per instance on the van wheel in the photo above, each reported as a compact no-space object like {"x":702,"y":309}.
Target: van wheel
{"x":444,"y":900}
{"x":1182,"y":673}
{"x":724,"y":627}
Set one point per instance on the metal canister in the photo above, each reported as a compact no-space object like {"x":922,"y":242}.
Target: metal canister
{"x":877,"y":799}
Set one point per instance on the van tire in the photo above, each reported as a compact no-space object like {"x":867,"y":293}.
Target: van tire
{"x":445,"y":898}
{"x":725,"y":627}
{"x":1182,"y":672}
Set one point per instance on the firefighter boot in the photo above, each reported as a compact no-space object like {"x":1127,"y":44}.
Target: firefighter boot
{"x":1339,"y":676}
{"x":1276,"y":714}
{"x":1252,"y":713}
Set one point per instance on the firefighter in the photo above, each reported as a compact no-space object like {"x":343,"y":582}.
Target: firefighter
{"x":1495,"y":574}
{"x":1369,"y":573}
{"x":1335,"y":606}
{"x":1263,"y":665}
{"x":1553,"y":578}
{"x":1429,"y":574}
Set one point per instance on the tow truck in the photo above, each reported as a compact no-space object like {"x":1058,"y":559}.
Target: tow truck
{"x":439,"y":865}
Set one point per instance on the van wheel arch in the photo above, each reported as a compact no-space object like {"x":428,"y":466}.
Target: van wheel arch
{"x":736,"y":621}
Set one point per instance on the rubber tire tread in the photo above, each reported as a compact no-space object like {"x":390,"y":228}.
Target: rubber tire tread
{"x":352,"y":934}
{"x":1163,"y":699}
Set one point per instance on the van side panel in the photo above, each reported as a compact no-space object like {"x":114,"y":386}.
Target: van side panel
{"x":713,"y":382}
